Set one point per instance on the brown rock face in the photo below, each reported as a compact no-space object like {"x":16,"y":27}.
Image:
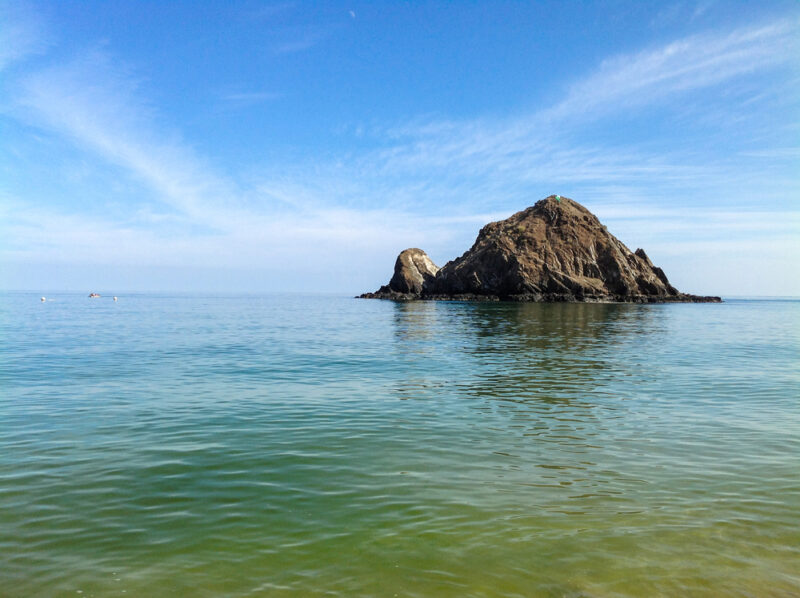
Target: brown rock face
{"x":556,"y":250}
{"x":412,"y":270}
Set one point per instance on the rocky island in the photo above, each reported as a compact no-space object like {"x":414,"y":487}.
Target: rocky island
{"x":553,"y":251}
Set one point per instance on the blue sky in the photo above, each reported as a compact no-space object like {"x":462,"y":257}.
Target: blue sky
{"x":298,"y":146}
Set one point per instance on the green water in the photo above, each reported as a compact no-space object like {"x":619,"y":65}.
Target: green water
{"x":326,"y":446}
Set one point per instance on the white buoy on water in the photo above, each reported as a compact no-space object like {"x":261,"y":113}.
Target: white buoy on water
{"x":115,"y":298}
{"x":44,"y":299}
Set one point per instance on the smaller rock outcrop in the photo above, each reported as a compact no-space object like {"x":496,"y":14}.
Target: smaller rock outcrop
{"x":412,"y":270}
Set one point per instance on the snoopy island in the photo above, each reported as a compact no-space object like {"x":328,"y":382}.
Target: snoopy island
{"x":553,"y":251}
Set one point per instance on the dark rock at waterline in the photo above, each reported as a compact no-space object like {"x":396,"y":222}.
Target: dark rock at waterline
{"x":556,"y":250}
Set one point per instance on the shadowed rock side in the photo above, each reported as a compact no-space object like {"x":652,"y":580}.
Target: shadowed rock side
{"x":556,"y":250}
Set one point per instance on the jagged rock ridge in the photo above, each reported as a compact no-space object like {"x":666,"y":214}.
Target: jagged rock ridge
{"x":556,"y":250}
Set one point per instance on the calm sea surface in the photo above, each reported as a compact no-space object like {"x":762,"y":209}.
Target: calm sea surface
{"x":171,"y":445}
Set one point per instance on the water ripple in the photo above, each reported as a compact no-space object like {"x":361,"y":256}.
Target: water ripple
{"x":250,"y":446}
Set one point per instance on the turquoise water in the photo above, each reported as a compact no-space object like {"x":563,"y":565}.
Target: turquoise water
{"x":326,"y":446}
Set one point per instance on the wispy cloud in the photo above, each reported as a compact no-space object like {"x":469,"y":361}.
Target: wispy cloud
{"x":250,"y":97}
{"x":97,"y":105}
{"x":22,"y":34}
{"x":696,"y":62}
{"x":211,"y":219}
{"x":476,"y":170}
{"x":702,"y":8}
{"x":269,"y":11}
{"x":297,"y":40}
{"x":246,"y":99}
{"x":541,"y":145}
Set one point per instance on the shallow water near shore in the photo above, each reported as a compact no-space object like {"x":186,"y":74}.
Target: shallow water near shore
{"x":172,"y":445}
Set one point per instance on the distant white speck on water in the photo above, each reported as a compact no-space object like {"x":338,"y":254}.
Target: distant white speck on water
{"x":44,"y":298}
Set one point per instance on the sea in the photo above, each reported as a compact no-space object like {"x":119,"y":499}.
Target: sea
{"x":311,"y":445}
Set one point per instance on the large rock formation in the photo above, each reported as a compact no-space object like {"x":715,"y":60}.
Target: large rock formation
{"x":556,"y":250}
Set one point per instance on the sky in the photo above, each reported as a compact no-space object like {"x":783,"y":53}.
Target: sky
{"x":300,"y":146}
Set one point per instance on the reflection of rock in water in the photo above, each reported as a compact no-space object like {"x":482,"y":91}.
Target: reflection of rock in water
{"x":415,"y":320}
{"x":534,"y":392}
{"x":552,"y":352}
{"x":521,"y":351}
{"x":418,"y":332}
